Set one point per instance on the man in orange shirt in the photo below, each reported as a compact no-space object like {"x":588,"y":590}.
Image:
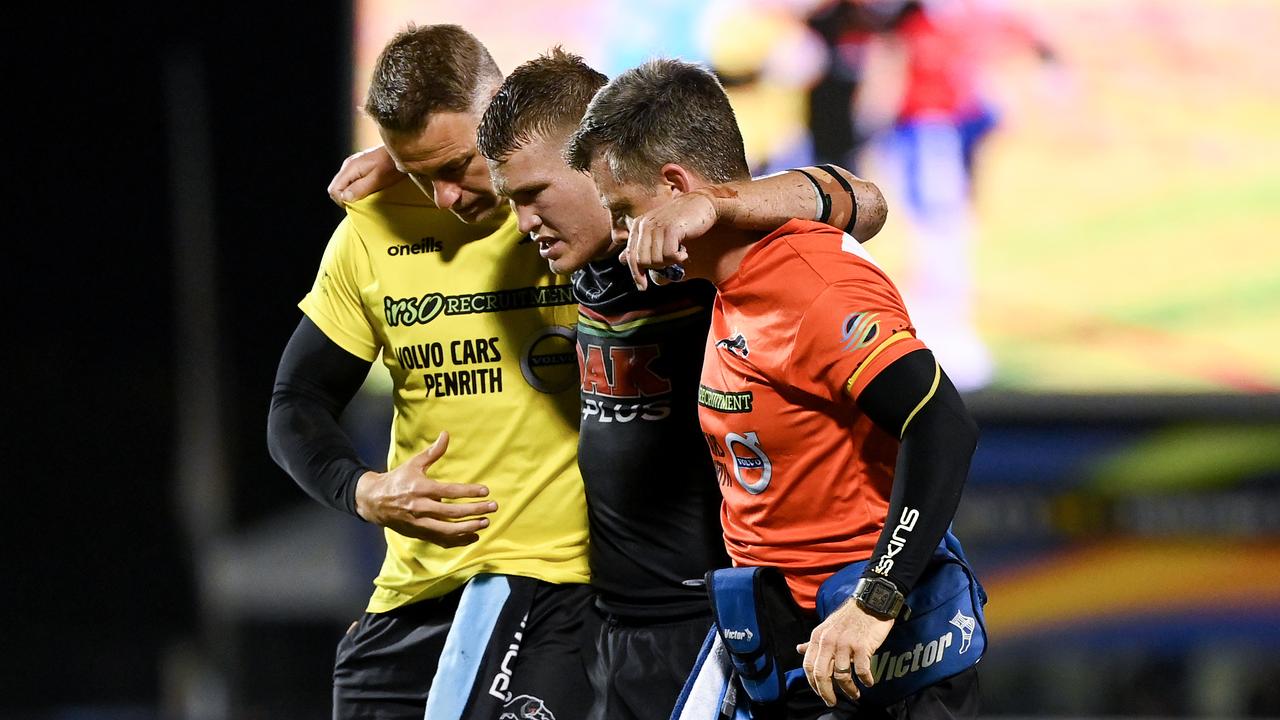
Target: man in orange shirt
{"x":838,"y":440}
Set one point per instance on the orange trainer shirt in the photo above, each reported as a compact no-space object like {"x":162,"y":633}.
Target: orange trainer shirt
{"x":796,"y":334}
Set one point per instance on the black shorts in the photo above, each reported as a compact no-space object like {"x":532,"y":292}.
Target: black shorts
{"x":955,"y":698}
{"x":501,"y":647}
{"x":639,"y":666}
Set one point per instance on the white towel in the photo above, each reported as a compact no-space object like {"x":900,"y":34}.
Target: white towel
{"x":709,"y":693}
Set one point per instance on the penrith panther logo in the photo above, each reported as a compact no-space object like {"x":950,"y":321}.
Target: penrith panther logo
{"x":526,"y":707}
{"x":735,"y":345}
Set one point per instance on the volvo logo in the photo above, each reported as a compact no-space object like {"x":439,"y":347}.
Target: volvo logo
{"x":549,"y":360}
{"x":750,"y":465}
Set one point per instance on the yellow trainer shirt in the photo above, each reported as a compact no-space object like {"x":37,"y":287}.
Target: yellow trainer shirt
{"x":477,"y":335}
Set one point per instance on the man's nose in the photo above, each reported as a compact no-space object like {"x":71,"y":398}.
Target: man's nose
{"x":445,"y":193}
{"x":619,"y":233}
{"x":527,"y":220}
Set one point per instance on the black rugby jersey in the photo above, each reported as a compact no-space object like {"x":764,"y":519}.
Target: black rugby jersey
{"x":652,"y":499}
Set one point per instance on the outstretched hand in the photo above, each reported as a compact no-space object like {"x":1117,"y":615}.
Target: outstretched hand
{"x":414,"y":505}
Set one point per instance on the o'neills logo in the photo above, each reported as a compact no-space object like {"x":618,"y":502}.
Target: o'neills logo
{"x":422,"y":310}
{"x":549,"y":360}
{"x":425,"y":245}
{"x":725,"y":402}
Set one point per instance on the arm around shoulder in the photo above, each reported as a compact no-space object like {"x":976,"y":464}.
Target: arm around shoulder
{"x":823,"y":193}
{"x":363,"y":174}
{"x":826,"y":194}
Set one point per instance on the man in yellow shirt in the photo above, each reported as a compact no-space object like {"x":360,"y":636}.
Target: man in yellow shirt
{"x":478,"y":608}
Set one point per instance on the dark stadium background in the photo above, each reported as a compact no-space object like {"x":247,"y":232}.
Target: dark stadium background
{"x":166,"y":169}
{"x":101,"y":581}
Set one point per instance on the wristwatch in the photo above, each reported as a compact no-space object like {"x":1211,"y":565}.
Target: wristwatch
{"x":881,"y":598}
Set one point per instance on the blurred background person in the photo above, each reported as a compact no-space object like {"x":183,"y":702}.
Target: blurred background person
{"x":930,"y":94}
{"x":846,"y":28}
{"x":766,"y":58}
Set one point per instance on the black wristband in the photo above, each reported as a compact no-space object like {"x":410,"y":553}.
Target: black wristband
{"x":853,"y":200}
{"x":824,"y":198}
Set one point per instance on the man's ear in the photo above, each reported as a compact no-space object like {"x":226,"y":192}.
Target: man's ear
{"x":677,"y":179}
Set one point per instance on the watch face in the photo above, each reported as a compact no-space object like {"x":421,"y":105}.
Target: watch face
{"x":880,"y":597}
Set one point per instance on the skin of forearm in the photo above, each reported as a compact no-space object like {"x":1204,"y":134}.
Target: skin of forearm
{"x":765,"y":203}
{"x":872,"y":210}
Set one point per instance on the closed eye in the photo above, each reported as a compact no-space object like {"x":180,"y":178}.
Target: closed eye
{"x":455,"y":168}
{"x":526,"y":196}
{"x":619,"y":214}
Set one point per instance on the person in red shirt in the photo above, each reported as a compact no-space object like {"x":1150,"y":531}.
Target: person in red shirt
{"x":836,"y":436}
{"x":942,"y":112}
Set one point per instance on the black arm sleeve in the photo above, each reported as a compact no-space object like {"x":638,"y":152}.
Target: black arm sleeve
{"x":913,"y":399}
{"x":316,"y":380}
